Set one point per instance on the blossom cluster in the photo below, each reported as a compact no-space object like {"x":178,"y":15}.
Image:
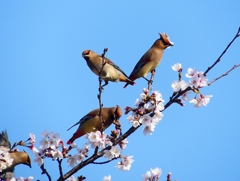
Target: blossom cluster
{"x":107,"y":178}
{"x":49,"y":147}
{"x":99,"y":139}
{"x":22,"y":179}
{"x":5,"y":160}
{"x":148,"y":111}
{"x":197,"y":80}
{"x":125,"y":163}
{"x":152,"y":175}
{"x":81,"y":154}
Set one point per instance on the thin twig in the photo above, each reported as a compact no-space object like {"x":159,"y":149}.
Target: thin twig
{"x":219,"y":58}
{"x":44,"y":171}
{"x":105,"y":161}
{"x":151,"y":80}
{"x":100,"y":87}
{"x":214,"y":80}
{"x":96,"y":150}
{"x":174,"y":98}
{"x":60,"y":167}
{"x":169,"y":177}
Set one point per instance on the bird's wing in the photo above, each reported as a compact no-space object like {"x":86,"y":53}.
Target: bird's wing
{"x":137,"y":67}
{"x":115,"y":66}
{"x":85,"y":118}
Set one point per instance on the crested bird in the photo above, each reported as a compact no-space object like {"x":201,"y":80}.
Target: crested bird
{"x":18,"y":157}
{"x":91,"y":122}
{"x":110,"y":71}
{"x":151,"y":59}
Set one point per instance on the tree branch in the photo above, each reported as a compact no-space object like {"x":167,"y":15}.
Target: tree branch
{"x":44,"y":171}
{"x":219,"y":58}
{"x":214,"y":80}
{"x":169,"y":177}
{"x":100,"y":87}
{"x":105,"y":161}
{"x":173,"y":99}
{"x":151,"y":79}
{"x":60,"y":167}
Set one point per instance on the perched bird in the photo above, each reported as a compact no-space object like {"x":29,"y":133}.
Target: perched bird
{"x":18,"y":157}
{"x":150,"y":60}
{"x":91,"y":122}
{"x":110,"y":72}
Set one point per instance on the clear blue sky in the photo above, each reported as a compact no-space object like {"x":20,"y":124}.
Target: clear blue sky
{"x":46,"y":84}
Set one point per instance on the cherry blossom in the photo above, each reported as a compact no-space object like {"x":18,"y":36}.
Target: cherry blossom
{"x":114,"y":152}
{"x":82,"y":153}
{"x":57,"y":154}
{"x":201,"y":101}
{"x":147,"y":176}
{"x":107,"y":178}
{"x":179,"y":85}
{"x":72,"y":161}
{"x":38,"y":159}
{"x":185,"y":96}
{"x":72,"y":178}
{"x":5,"y":160}
{"x":177,"y":67}
{"x":32,"y":138}
{"x":158,"y":96}
{"x":22,"y":179}
{"x":153,"y":174}
{"x":146,"y":105}
{"x":125,"y":163}
{"x":191,"y":72}
{"x":123,"y":143}
{"x":148,"y":129}
{"x":98,"y":139}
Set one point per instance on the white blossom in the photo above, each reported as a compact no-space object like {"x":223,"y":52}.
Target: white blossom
{"x":201,"y":101}
{"x":5,"y":160}
{"x":177,"y":67}
{"x":125,"y":163}
{"x":107,"y":178}
{"x":153,"y":174}
{"x":114,"y":152}
{"x":98,"y":139}
{"x":72,"y":178}
{"x":38,"y":159}
{"x":185,"y":96}
{"x":123,"y":143}
{"x":191,"y":72}
{"x":72,"y":161}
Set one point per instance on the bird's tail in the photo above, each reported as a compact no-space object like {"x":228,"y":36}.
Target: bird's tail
{"x":76,"y":135}
{"x":4,"y":141}
{"x":70,"y":141}
{"x":129,"y":81}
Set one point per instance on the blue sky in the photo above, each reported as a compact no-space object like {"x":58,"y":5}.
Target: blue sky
{"x":46,"y":84}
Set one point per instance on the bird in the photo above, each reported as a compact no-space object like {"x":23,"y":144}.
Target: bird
{"x":110,"y":72}
{"x":18,"y":157}
{"x":91,"y":122}
{"x":151,"y":59}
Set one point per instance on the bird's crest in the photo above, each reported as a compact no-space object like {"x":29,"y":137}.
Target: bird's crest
{"x":86,"y":52}
{"x":166,"y":39}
